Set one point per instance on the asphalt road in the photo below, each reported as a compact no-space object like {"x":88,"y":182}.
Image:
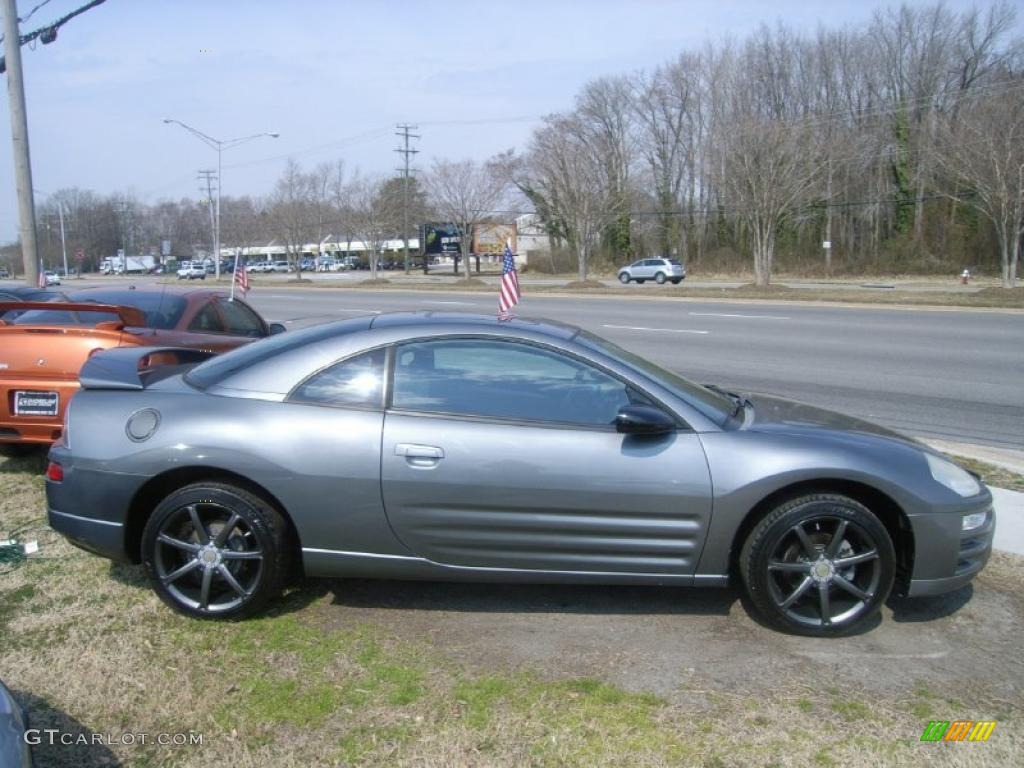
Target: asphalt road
{"x":956,"y":375}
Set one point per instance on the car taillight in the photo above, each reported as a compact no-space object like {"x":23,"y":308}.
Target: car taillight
{"x":55,"y":472}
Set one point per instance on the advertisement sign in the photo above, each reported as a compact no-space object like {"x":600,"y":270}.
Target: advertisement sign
{"x":441,"y":239}
{"x":490,"y":238}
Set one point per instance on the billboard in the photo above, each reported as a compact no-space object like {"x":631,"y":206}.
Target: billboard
{"x":490,"y":238}
{"x":440,"y":239}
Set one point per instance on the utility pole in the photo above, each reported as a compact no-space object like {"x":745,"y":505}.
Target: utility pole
{"x":124,"y":209}
{"x":210,"y":177}
{"x":405,"y":151}
{"x":19,"y":142}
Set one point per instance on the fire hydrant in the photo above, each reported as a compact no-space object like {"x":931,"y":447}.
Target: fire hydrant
{"x":965,"y":276}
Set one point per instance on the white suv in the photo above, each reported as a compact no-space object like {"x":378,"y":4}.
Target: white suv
{"x":190,"y":270}
{"x":658,"y":270}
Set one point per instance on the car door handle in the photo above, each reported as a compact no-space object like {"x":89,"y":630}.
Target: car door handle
{"x":414,"y":451}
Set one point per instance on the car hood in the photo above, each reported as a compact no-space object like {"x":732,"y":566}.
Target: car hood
{"x":776,"y":414}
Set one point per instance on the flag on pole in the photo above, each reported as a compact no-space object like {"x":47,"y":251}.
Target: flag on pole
{"x":241,"y":279}
{"x":509,"y":293}
{"x":41,"y":282}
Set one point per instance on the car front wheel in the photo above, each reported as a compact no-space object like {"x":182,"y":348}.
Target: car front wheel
{"x":624,"y":278}
{"x":215,"y":551}
{"x":660,"y":278}
{"x":819,"y":565}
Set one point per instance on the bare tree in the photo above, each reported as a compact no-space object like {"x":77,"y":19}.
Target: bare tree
{"x":289,"y":210}
{"x":465,"y":193}
{"x":370,"y":218}
{"x":984,"y":154}
{"x":567,"y":172}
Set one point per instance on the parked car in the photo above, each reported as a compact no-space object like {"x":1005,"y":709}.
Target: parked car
{"x":658,"y":270}
{"x":52,"y":278}
{"x":22,"y":293}
{"x":43,"y":348}
{"x":191,"y":270}
{"x":4,"y":274}
{"x":308,"y":265}
{"x":15,"y":750}
{"x":446,"y":446}
{"x":279,"y":266}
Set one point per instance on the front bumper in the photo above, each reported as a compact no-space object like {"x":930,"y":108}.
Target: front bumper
{"x":947,"y":558}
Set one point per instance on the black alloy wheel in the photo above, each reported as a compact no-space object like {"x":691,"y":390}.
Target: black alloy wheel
{"x":819,"y":565}
{"x":212,"y":550}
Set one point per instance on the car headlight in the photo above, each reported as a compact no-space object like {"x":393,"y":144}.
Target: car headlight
{"x":955,"y":478}
{"x":974,"y":521}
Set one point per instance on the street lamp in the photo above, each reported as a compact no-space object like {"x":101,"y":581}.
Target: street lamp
{"x":220,"y":146}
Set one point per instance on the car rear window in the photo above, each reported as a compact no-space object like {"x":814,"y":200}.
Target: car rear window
{"x":217,"y":369}
{"x":162,"y":310}
{"x":674,"y":262}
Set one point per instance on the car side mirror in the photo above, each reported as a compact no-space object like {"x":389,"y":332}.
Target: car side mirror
{"x":276,"y":328}
{"x":643,"y":420}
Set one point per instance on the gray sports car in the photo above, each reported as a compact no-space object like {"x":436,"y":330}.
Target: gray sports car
{"x":447,"y":446}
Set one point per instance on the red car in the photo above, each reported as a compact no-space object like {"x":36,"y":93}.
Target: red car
{"x":43,"y":347}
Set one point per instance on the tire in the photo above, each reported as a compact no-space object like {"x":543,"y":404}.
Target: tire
{"x":660,"y":278}
{"x":206,"y":573}
{"x":800,"y":584}
{"x":624,"y":278}
{"x":677,"y":280}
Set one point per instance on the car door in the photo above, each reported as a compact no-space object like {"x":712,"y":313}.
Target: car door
{"x":502,"y":454}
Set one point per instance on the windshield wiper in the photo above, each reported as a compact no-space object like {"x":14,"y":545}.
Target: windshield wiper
{"x":740,"y":402}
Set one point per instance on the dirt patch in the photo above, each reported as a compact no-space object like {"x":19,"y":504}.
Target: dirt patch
{"x":667,"y":640}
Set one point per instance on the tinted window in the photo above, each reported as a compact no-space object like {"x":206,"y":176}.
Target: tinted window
{"x":504,"y":380}
{"x":207,"y":320}
{"x":674,"y":263}
{"x":714,"y":406}
{"x":219,"y":368}
{"x":162,"y":310}
{"x":240,"y":320}
{"x":356,"y":381}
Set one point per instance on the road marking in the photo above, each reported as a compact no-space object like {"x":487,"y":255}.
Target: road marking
{"x":276,"y":296}
{"x":752,"y":317}
{"x":462,"y":303}
{"x":663,"y":330}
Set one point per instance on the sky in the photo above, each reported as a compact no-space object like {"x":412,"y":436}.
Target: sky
{"x":333,"y":78}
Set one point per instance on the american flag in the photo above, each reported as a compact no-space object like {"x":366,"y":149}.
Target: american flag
{"x":41,"y":282}
{"x":241,"y":278}
{"x":509,"y":294}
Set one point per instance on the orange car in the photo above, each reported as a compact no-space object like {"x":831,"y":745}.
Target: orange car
{"x":45,"y":345}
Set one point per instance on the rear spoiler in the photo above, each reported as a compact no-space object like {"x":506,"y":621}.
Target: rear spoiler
{"x":127,"y":367}
{"x":130,"y":316}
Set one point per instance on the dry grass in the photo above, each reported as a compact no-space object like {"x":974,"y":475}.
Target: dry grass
{"x":89,"y":649}
{"x":992,"y":474}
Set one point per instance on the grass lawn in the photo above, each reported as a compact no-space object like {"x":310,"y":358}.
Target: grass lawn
{"x":89,"y":649}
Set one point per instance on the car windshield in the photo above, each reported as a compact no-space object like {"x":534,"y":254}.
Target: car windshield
{"x":162,"y":310}
{"x":714,"y":406}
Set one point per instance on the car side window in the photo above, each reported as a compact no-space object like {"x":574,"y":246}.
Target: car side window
{"x":207,"y":320}
{"x":240,"y":320}
{"x":356,"y":381}
{"x":505,"y":380}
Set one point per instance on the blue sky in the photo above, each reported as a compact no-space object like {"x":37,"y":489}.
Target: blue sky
{"x":333,"y":78}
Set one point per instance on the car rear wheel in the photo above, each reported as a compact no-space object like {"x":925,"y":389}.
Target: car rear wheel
{"x":819,"y":565}
{"x":624,"y":278}
{"x":677,"y":280}
{"x":660,"y":278}
{"x":216,"y":551}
